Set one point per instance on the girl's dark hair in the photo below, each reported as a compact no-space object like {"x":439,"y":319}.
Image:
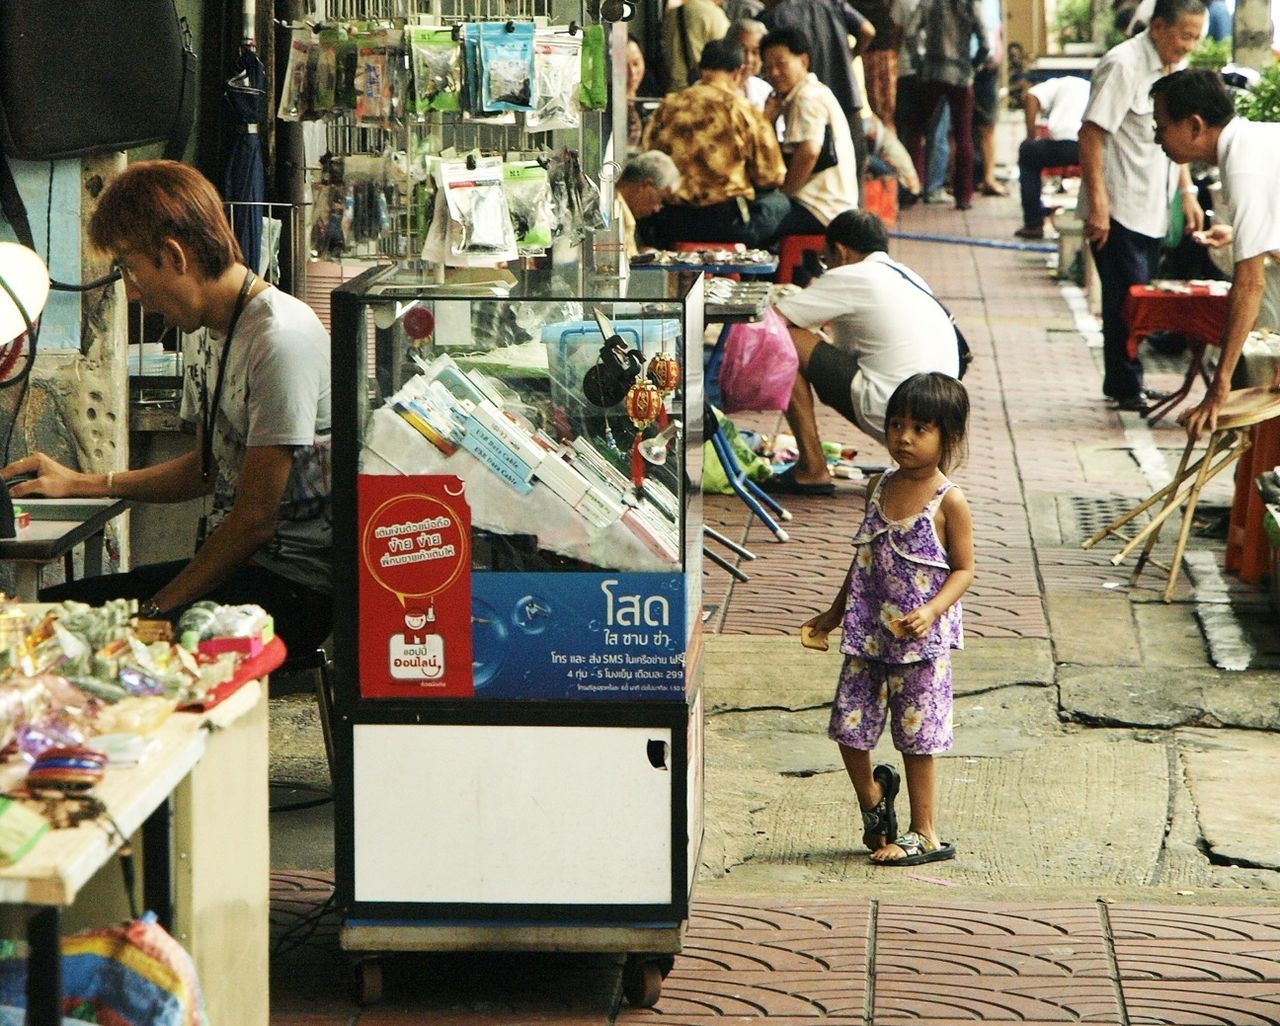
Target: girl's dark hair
{"x":940,"y":399}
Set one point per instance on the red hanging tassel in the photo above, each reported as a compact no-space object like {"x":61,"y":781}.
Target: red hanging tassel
{"x":637,"y":461}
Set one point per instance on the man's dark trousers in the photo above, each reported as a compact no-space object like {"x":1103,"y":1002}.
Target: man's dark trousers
{"x":1034,"y":155}
{"x":1127,"y":259}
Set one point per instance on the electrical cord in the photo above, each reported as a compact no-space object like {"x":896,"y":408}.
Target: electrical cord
{"x":304,"y":929}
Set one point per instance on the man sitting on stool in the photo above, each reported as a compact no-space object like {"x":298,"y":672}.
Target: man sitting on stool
{"x":728,"y":156}
{"x":885,"y":326}
{"x":1062,"y":101}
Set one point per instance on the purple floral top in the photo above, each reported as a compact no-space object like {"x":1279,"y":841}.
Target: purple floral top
{"x":898,"y":566}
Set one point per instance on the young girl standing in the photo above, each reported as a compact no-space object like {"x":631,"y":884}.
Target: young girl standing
{"x":900,"y":607}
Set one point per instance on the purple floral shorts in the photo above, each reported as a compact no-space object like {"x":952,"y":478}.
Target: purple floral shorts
{"x":917,"y":694}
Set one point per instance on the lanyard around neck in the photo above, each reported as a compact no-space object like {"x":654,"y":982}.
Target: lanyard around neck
{"x":211,"y":409}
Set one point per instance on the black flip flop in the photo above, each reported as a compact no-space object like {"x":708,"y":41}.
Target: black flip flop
{"x":916,"y":854}
{"x":881,"y":819}
{"x":786,"y":484}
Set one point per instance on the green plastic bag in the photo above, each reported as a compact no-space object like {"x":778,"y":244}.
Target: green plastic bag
{"x":714,"y":479}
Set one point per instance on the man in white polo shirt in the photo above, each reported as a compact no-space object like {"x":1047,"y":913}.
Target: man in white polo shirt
{"x":885,"y":325}
{"x":1062,"y":101}
{"x":1128,"y":182}
{"x":1195,"y":120}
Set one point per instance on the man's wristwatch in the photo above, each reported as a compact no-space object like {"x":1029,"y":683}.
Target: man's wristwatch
{"x":149,"y":610}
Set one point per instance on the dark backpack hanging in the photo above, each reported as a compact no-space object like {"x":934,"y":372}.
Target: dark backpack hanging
{"x":79,"y":77}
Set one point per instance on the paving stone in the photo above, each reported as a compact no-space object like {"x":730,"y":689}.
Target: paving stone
{"x":1234,"y":829}
{"x":991,"y":955}
{"x":1201,"y":959}
{"x":1178,"y":1003}
{"x":1007,"y":920}
{"x":842,"y":951}
{"x":851,"y":917}
{"x":764,"y":994}
{"x":1194,"y":923}
{"x":995,"y":999}
{"x":1135,"y":696}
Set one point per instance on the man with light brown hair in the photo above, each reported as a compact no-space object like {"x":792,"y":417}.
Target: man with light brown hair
{"x":257,"y":390}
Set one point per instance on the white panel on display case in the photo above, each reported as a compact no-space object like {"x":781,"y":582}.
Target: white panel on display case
{"x":511,"y":814}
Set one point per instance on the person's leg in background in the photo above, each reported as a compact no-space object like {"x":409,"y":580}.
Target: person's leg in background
{"x":1127,"y":259}
{"x":938,"y":152}
{"x":1034,"y":155}
{"x":961,"y":99}
{"x":912,"y":121}
{"x":985,"y":100}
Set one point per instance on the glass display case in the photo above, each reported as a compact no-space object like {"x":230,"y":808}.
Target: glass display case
{"x":518,"y":551}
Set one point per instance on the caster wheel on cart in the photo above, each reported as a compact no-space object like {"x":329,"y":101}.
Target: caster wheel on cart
{"x":642,"y":982}
{"x":368,"y":982}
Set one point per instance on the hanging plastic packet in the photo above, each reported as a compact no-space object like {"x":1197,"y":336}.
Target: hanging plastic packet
{"x":324,"y":84}
{"x":372,"y":84}
{"x":592,"y":212}
{"x":529,"y":200}
{"x":593,"y":93}
{"x":506,"y":65}
{"x":557,"y":73}
{"x":347,"y":61}
{"x":295,"y":97}
{"x":479,"y":220}
{"x":437,"y":68}
{"x":399,"y":75}
{"x":472,"y":93}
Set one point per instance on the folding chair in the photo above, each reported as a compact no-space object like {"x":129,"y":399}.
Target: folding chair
{"x":1242,"y":410}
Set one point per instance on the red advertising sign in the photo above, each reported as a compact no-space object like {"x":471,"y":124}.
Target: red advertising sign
{"x":414,"y":587}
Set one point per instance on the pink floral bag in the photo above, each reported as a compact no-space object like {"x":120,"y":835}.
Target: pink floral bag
{"x":759,"y":365}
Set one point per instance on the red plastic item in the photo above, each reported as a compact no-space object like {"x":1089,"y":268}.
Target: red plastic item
{"x":791,"y":251}
{"x":880,"y":197}
{"x":1248,"y":552}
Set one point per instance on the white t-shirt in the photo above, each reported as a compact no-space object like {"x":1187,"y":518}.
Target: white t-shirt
{"x":277,"y":393}
{"x":891,"y":326}
{"x":1247,"y":153}
{"x":807,"y":112}
{"x":758,"y":92}
{"x":1062,"y":101}
{"x":1139,"y":178}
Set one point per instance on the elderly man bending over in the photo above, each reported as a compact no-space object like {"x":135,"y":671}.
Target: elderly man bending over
{"x":648,"y":181}
{"x":884,"y":326}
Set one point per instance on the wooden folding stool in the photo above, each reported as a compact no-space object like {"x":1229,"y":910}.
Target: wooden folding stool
{"x":1242,"y":410}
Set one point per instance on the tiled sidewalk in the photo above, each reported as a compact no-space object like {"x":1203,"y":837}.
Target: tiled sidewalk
{"x":883,"y":964}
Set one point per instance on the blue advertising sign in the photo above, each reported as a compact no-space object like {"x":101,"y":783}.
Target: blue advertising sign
{"x":597,"y":636}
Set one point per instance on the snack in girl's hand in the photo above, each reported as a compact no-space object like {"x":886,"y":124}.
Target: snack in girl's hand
{"x":811,"y":638}
{"x":898,"y":627}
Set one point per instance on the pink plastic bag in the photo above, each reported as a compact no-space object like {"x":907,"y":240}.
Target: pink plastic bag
{"x":759,"y":365}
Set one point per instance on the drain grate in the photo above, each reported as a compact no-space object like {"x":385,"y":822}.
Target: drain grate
{"x":1080,"y":516}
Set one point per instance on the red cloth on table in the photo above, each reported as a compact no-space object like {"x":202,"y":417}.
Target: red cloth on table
{"x":1199,"y":314}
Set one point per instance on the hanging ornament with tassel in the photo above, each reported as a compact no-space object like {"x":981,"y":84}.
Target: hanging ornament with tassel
{"x":644,"y":405}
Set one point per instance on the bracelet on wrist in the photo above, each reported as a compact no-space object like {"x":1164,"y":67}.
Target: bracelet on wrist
{"x":111,"y":477}
{"x":149,"y":610}
{"x":1190,"y":190}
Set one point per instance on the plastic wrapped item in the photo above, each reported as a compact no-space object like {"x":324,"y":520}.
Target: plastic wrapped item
{"x":479,"y":221}
{"x":436,"y":58}
{"x":529,"y":199}
{"x":557,"y":74}
{"x":295,"y":97}
{"x":593,"y":92}
{"x":372,"y":80}
{"x":22,"y":701}
{"x":506,"y":65}
{"x":324,"y":82}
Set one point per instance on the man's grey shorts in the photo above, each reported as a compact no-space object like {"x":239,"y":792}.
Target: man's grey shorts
{"x":831,"y":373}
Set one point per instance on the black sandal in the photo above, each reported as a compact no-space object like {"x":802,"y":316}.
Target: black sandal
{"x":881,"y":820}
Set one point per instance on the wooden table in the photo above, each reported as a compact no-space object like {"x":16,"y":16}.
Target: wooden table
{"x":58,"y":526}
{"x":199,"y":800}
{"x":1197,"y":311}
